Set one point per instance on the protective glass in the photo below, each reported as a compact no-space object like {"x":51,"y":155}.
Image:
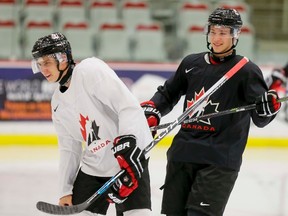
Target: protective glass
{"x":40,"y":63}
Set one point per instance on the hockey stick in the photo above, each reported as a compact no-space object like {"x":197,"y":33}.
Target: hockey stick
{"x":67,"y":210}
{"x":216,"y":114}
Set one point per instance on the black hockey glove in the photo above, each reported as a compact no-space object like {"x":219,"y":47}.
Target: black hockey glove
{"x":133,"y":160}
{"x":267,"y":105}
{"x":152,"y":114}
{"x":113,"y":195}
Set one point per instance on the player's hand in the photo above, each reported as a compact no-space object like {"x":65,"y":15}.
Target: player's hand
{"x":152,"y":114}
{"x":267,"y":105}
{"x":66,"y":200}
{"x":133,"y":161}
{"x":113,"y":195}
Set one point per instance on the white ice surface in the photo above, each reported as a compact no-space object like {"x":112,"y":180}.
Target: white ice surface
{"x":29,"y":174}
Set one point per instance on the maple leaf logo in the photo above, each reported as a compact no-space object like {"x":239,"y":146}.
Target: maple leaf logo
{"x":201,"y":107}
{"x":93,"y":133}
{"x":206,"y":105}
{"x":83,"y":121}
{"x":90,"y":128}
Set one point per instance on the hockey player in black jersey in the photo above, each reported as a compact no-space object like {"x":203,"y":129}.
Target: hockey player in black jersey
{"x":205,"y":156}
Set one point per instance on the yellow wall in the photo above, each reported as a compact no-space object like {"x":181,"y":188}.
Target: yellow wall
{"x":44,"y":140}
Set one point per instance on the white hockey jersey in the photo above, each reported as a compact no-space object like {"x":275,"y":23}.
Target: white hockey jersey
{"x":96,"y":108}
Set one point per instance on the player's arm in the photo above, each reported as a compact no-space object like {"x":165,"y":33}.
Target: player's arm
{"x":165,"y":98}
{"x":257,"y":92}
{"x":160,"y":104}
{"x":267,"y":105}
{"x":133,"y":161}
{"x":266,"y":108}
{"x":152,"y":114}
{"x":70,"y":152}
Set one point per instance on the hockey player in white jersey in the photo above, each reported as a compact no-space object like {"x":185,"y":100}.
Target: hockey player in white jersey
{"x":101,"y":129}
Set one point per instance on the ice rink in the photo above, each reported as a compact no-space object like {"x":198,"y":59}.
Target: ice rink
{"x":29,"y":174}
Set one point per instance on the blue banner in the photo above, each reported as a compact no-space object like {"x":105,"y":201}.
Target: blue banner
{"x":26,"y":96}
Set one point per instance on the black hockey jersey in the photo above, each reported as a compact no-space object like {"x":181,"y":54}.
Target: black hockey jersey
{"x":221,"y":140}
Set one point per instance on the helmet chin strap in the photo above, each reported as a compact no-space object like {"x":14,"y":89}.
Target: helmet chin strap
{"x":65,"y":78}
{"x":60,"y":72}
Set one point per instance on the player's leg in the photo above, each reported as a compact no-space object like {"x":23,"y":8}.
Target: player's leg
{"x":138,"y":212}
{"x":84,"y":187}
{"x":176,"y":214}
{"x":88,"y":213}
{"x":176,"y":189}
{"x":192,"y":212}
{"x":139,"y":202}
{"x":211,"y":189}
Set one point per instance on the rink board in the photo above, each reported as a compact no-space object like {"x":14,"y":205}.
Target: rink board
{"x":50,"y":140}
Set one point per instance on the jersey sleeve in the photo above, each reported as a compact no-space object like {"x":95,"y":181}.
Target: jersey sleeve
{"x":70,"y":152}
{"x":167,"y":95}
{"x":255,"y":86}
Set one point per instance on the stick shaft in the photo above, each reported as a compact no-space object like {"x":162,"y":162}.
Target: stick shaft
{"x":66,"y":210}
{"x":217,"y":114}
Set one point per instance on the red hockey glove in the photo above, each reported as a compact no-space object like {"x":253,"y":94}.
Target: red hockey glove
{"x":133,"y":160}
{"x":267,"y":105}
{"x":152,"y":114}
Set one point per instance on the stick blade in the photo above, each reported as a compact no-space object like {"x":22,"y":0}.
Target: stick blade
{"x":60,"y":210}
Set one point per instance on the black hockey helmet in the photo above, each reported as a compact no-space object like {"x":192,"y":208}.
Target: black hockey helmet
{"x":55,"y":45}
{"x":50,"y":44}
{"x":227,"y":17}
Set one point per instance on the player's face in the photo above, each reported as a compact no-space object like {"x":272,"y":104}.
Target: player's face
{"x":221,"y":39}
{"x":48,"y":67}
